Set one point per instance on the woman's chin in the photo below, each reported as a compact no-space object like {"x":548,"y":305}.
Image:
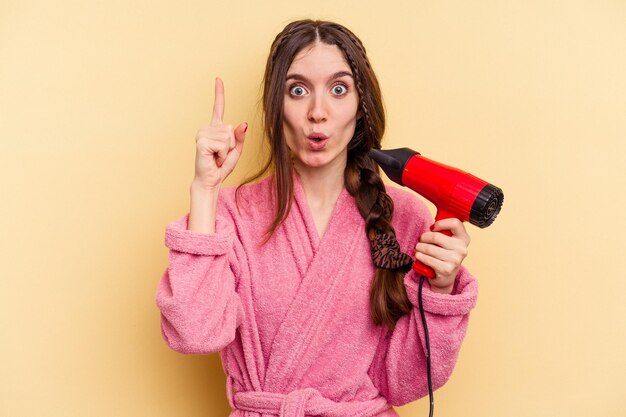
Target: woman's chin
{"x":320,"y":162}
{"x":311,"y":163}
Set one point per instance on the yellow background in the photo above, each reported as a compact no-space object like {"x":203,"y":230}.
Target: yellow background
{"x":99,"y":106}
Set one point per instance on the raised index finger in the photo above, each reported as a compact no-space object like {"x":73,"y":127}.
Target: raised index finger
{"x":218,"y":104}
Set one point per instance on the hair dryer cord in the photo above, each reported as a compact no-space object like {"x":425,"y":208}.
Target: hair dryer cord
{"x":430,"y":381}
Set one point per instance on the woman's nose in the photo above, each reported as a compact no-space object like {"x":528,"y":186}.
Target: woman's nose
{"x":317,"y":110}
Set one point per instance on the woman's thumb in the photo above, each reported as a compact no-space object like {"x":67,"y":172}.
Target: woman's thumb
{"x":233,"y":154}
{"x":240,"y":135}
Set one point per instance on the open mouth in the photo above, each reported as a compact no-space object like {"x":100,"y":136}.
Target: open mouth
{"x":317,"y":141}
{"x":317,"y":136}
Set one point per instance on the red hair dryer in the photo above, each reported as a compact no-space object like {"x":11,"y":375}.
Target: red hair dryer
{"x":455,"y":193}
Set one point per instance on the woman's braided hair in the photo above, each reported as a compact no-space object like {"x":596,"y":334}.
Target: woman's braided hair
{"x":388,"y":298}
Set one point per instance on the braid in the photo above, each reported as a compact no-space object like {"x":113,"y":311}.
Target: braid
{"x":366,"y":113}
{"x":282,"y":38}
{"x":355,"y":41}
{"x":388,"y":298}
{"x":359,"y":82}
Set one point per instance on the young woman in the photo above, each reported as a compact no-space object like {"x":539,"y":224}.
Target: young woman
{"x":300,"y":280}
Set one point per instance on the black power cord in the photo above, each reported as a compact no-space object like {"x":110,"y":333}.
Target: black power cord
{"x":430,"y":380}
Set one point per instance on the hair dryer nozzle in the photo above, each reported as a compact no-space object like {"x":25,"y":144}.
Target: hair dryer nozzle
{"x":393,"y":161}
{"x":486,"y":206}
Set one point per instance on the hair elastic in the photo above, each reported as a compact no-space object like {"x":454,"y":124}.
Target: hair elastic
{"x":386,"y":253}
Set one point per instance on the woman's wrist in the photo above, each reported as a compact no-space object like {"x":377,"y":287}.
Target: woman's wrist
{"x":202,"y":213}
{"x":442,"y":290}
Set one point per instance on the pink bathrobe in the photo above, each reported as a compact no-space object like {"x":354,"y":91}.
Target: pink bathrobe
{"x":291,"y":318}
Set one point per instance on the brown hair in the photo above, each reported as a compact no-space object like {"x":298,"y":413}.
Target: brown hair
{"x":388,"y":298}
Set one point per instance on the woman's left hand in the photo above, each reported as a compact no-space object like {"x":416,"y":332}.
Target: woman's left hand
{"x":442,"y":253}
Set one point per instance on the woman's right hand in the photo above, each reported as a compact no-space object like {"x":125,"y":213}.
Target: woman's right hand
{"x":218,"y":146}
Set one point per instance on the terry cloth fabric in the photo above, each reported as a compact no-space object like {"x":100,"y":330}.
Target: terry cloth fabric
{"x":291,"y":318}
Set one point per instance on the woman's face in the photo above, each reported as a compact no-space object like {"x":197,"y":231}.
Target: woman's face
{"x":320,"y":110}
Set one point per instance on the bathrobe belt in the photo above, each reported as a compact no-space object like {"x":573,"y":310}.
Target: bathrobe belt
{"x":308,"y":401}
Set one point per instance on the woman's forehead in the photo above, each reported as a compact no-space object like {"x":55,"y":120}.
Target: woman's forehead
{"x":319,"y":58}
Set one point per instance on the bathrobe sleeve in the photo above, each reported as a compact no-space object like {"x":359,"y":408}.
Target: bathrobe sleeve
{"x":399,"y":366}
{"x":200,"y":308}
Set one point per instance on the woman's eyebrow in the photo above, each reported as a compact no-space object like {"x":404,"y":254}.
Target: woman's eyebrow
{"x":301,"y":77}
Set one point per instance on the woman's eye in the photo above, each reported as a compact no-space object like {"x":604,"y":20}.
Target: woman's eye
{"x":340,"y":89}
{"x":297,"y":90}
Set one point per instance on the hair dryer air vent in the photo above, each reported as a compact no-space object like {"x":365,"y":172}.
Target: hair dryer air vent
{"x":486,"y":206}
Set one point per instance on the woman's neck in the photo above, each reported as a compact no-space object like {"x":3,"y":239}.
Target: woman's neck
{"x":322,"y":187}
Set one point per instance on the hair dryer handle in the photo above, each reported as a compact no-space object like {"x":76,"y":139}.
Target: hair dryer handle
{"x":418,"y":266}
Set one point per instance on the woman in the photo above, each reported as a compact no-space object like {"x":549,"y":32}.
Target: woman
{"x":299,"y":280}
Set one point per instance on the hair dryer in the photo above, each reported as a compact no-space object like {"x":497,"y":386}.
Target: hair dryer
{"x":455,"y":193}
